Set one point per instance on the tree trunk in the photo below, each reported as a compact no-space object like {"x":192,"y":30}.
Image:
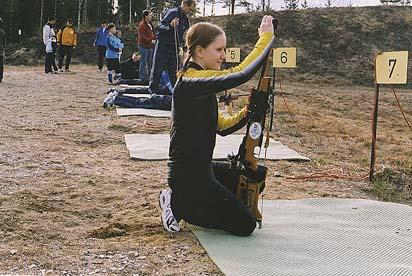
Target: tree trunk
{"x":268,"y":5}
{"x":11,"y":20}
{"x":232,"y":7}
{"x":130,"y":12}
{"x":85,"y":13}
{"x":99,"y":15}
{"x":41,"y":15}
{"x":79,"y":14}
{"x":263,"y":5}
{"x":204,"y":8}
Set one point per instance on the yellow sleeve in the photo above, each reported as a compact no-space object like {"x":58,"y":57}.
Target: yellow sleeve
{"x":215,"y":81}
{"x":75,"y":39}
{"x":225,"y":122}
{"x":228,"y":125}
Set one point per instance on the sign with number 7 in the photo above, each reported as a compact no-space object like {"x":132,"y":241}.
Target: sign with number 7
{"x":392,"y":67}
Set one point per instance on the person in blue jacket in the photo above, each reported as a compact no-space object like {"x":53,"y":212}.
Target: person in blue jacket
{"x":100,"y":43}
{"x":173,"y":24}
{"x":113,"y":52}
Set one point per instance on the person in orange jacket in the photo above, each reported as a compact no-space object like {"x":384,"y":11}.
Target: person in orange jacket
{"x":67,"y":41}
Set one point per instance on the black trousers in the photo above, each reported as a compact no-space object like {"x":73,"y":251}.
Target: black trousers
{"x":113,"y":64}
{"x":207,"y":199}
{"x":48,"y":63}
{"x":65,"y":51}
{"x":1,"y":67}
{"x":101,"y":52}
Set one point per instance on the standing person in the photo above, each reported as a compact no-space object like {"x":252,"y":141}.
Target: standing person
{"x":48,"y":36}
{"x":67,"y":40}
{"x":204,"y":192}
{"x":114,"y":48}
{"x":173,"y":25}
{"x":100,"y":43}
{"x":54,"y":51}
{"x":146,"y":38}
{"x":2,"y":48}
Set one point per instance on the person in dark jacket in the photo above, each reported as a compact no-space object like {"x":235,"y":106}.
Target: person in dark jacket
{"x":130,"y":67}
{"x":146,"y":39}
{"x":2,"y":48}
{"x":100,"y":43}
{"x":203,"y":192}
{"x":172,"y":27}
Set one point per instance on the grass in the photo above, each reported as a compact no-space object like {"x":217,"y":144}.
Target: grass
{"x":391,"y":185}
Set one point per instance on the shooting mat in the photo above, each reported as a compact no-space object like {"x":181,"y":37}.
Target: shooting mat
{"x":142,"y":112}
{"x":132,"y":86}
{"x":322,"y":237}
{"x":156,"y":147}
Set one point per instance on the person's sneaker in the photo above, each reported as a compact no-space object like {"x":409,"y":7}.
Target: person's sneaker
{"x":168,"y":220}
{"x":61,"y":70}
{"x":109,"y":100}
{"x":99,"y":70}
{"x":67,"y":70}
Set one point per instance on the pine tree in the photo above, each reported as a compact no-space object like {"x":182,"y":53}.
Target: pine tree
{"x":291,"y":4}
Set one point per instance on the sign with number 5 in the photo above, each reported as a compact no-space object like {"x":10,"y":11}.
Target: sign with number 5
{"x":233,"y":55}
{"x":392,"y":67}
{"x":284,"y":58}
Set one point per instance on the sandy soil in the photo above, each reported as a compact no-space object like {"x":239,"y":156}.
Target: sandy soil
{"x":72,"y":202}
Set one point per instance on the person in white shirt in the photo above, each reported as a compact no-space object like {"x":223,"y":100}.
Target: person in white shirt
{"x":50,"y":42}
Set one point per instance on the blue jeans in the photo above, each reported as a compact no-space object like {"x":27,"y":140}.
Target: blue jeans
{"x":160,"y":102}
{"x":145,"y":62}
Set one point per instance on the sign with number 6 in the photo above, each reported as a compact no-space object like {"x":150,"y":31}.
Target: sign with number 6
{"x":233,"y":55}
{"x":392,"y":67}
{"x":284,"y":58}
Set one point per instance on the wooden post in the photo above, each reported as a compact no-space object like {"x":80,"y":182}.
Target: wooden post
{"x":374,"y":130}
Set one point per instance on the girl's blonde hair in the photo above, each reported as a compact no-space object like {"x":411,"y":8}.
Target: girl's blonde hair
{"x":201,"y":34}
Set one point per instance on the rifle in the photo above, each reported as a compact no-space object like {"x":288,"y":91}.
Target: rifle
{"x":252,"y":176}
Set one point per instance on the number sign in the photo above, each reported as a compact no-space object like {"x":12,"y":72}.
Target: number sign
{"x":233,"y":55}
{"x":284,"y":58}
{"x":392,"y":67}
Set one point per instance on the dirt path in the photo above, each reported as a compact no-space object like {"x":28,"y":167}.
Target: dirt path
{"x":71,"y":200}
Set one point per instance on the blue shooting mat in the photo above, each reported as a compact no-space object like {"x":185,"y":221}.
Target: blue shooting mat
{"x":318,"y":237}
